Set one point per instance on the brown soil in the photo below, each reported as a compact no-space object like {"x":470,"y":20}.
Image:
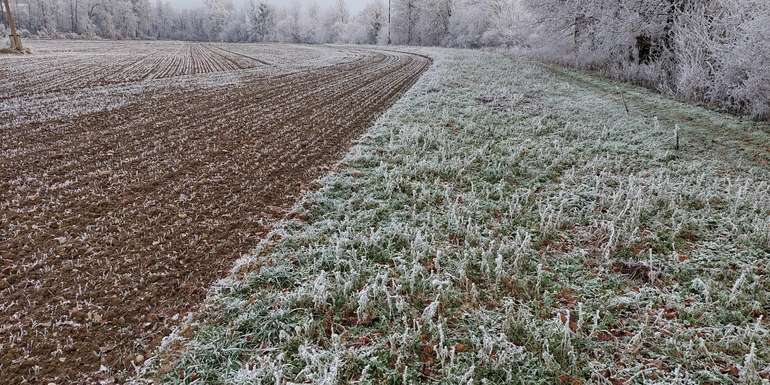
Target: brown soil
{"x":115,"y":223}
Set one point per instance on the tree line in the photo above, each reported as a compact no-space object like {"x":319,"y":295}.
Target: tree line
{"x":467,"y":23}
{"x":711,"y":51}
{"x":715,"y":51}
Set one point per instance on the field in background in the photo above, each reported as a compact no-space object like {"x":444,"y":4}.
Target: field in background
{"x":98,"y":75}
{"x":132,"y":174}
{"x":507,"y":222}
{"x":63,"y":65}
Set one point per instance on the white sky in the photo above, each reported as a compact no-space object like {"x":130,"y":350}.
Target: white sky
{"x":353,"y":5}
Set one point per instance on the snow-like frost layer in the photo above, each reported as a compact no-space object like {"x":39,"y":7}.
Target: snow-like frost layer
{"x":504,"y":224}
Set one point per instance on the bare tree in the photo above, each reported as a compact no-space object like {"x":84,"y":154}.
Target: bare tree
{"x":261,"y":21}
{"x":405,"y":16}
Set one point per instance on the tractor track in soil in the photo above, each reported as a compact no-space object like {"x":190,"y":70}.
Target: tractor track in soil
{"x":116,"y":222}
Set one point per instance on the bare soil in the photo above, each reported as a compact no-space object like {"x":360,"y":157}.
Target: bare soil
{"x":115,"y":221}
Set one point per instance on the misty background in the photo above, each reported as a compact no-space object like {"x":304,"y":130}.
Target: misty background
{"x":710,"y":51}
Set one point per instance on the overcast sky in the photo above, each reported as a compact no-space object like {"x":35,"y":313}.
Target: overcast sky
{"x":353,"y":5}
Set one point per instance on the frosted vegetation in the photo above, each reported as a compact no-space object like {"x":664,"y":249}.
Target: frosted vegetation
{"x":508,"y":222}
{"x":714,"y":51}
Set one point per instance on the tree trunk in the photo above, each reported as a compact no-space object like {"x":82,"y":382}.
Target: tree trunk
{"x":645,"y":53}
{"x":77,"y":22}
{"x":580,"y":23}
{"x":15,"y":39}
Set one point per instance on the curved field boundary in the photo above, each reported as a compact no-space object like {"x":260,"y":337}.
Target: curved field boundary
{"x":119,"y":220}
{"x":502,"y":225}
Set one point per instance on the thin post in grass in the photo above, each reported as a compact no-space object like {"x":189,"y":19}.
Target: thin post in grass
{"x":676,"y":134}
{"x":623,"y":97}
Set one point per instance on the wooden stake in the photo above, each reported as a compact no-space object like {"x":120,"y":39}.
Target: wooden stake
{"x":677,"y":138}
{"x":623,"y":97}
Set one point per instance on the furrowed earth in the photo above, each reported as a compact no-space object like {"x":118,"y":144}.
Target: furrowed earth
{"x":133,"y":174}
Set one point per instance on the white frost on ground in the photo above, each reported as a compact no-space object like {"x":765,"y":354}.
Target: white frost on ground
{"x":507,"y":223}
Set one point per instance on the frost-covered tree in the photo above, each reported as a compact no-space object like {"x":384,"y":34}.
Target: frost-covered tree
{"x":143,"y":11}
{"x":476,"y":23}
{"x":261,"y":21}
{"x":162,"y":15}
{"x":236,"y":28}
{"x":508,"y":24}
{"x":707,"y":50}
{"x":365,"y":28}
{"x":373,"y":17}
{"x":334,"y":23}
{"x":218,"y":12}
{"x":311,"y":26}
{"x":435,"y":17}
{"x":406,"y":14}
{"x":721,"y":54}
{"x":290,"y":25}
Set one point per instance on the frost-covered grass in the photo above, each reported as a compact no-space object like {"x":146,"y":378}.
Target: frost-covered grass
{"x":506,"y":224}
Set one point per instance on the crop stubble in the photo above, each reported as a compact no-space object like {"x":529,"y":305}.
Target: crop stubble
{"x":115,"y":221}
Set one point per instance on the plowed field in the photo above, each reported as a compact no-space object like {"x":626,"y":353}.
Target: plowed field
{"x":133,"y":174}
